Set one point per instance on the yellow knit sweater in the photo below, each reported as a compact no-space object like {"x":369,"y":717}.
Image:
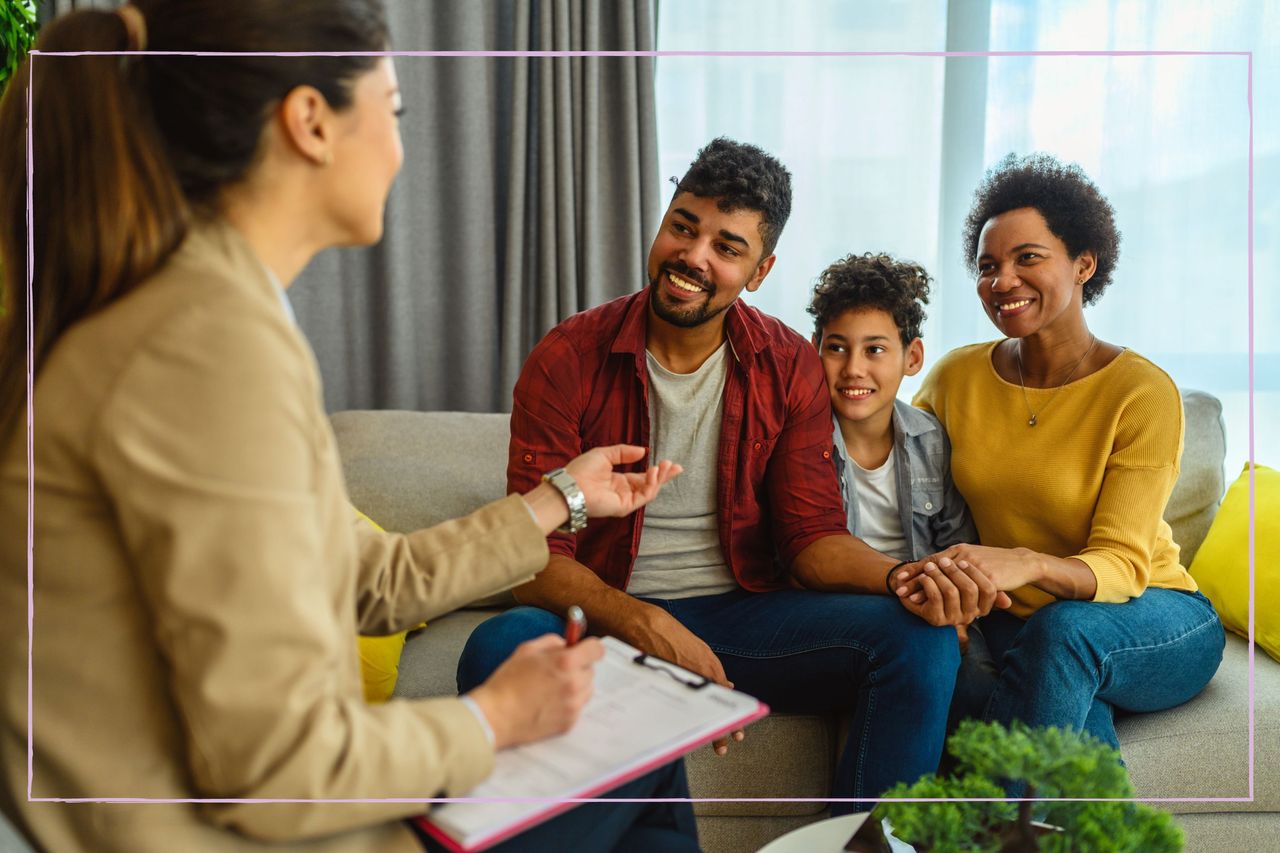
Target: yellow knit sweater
{"x":1090,"y":480}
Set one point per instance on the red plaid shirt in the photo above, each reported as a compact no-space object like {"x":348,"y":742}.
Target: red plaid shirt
{"x":586,"y":385}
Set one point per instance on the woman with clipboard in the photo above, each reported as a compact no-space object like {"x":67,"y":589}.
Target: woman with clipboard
{"x":198,"y":576}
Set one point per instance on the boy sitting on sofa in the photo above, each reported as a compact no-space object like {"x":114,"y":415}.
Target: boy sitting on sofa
{"x":893,"y":461}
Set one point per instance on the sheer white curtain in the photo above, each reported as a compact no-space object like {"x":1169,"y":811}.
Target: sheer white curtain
{"x":861,"y":135}
{"x":878,"y":168}
{"x":1167,"y":139}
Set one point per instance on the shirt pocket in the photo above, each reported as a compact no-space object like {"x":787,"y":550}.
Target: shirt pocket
{"x":926,"y":497}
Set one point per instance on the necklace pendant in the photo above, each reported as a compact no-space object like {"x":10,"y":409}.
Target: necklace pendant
{"x":1031,"y":421}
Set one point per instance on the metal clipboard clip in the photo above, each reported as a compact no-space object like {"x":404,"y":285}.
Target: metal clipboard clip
{"x":681,"y":675}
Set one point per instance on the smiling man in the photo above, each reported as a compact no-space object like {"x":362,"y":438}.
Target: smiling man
{"x":741,"y":570}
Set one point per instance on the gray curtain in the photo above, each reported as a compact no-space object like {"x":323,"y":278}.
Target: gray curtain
{"x":529,"y":192}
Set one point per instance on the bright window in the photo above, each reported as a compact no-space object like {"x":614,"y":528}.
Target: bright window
{"x":885,"y":156}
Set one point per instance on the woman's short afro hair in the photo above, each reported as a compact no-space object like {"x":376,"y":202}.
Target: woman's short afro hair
{"x":1075,"y":211}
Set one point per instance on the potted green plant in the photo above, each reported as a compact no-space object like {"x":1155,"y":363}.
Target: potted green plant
{"x":17,"y":32}
{"x":1045,"y":763}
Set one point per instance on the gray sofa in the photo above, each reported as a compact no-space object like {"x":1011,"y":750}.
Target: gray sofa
{"x":411,"y":469}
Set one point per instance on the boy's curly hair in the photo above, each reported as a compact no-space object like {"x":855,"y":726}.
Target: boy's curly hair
{"x":1075,"y":210}
{"x":742,"y":176}
{"x":900,"y":288}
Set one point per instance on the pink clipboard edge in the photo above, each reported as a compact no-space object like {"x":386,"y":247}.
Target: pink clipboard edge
{"x":424,"y":821}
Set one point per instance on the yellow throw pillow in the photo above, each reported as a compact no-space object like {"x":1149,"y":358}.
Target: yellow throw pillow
{"x":380,"y":656}
{"x":1221,"y":566}
{"x":380,"y":665}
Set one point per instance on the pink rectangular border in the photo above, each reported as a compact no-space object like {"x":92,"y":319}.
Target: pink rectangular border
{"x":621,"y":53}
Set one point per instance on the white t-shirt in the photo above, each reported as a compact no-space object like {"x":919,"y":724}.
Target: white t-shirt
{"x":879,"y":523}
{"x":679,"y":555}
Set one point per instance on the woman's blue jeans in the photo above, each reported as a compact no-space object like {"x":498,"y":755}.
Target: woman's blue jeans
{"x":1074,"y":663}
{"x":803,"y":652}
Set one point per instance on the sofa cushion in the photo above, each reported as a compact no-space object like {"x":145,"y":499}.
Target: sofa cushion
{"x":429,"y":663}
{"x":411,"y":470}
{"x":1201,"y":747}
{"x":783,"y":756}
{"x":1201,"y":482}
{"x":1221,"y":567}
{"x":414,"y":469}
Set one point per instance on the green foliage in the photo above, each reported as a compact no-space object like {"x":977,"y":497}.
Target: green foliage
{"x":1055,"y":762}
{"x":1050,"y":763}
{"x":948,"y":827}
{"x":17,"y":32}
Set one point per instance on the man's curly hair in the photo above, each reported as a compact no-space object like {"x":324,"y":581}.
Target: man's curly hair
{"x":742,"y":176}
{"x":857,"y":282}
{"x":1072,"y":206}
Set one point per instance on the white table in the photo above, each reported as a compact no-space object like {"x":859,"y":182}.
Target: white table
{"x":827,"y":836}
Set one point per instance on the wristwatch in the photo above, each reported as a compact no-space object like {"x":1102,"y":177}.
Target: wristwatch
{"x":573,"y":496}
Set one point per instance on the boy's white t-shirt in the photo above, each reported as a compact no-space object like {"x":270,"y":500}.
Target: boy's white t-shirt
{"x":879,"y":523}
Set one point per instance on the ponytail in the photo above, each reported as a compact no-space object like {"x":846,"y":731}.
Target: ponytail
{"x":107,"y":208}
{"x":126,"y":147}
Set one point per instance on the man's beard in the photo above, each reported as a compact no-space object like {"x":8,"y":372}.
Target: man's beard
{"x":684,"y":316}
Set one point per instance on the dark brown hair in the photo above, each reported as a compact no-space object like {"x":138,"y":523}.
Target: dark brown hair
{"x":742,"y":177}
{"x":900,"y":288}
{"x":126,"y":148}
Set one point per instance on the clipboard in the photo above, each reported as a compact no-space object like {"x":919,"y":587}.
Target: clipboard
{"x":668,"y":711}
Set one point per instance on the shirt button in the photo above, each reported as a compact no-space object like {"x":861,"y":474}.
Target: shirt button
{"x":928,"y":505}
{"x":757,"y":445}
{"x":528,"y":457}
{"x":826,"y":454}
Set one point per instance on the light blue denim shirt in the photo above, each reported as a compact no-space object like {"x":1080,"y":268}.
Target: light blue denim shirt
{"x":933,"y":514}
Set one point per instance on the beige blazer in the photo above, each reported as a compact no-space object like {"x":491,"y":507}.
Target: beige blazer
{"x":199,"y":581}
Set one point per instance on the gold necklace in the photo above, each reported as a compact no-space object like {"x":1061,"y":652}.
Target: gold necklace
{"x":1031,"y":421}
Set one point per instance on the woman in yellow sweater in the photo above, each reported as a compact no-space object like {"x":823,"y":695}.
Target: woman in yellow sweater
{"x":1066,"y":448}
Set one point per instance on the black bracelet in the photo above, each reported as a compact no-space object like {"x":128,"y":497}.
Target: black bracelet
{"x":889,"y":577}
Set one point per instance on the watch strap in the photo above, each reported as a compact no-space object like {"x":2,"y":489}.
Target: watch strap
{"x":577,"y":502}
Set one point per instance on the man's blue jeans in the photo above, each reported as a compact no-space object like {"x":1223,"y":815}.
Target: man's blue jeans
{"x":1073,"y":663}
{"x":804,"y":652}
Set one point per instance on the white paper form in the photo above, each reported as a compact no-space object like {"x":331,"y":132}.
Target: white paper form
{"x":637,"y":713}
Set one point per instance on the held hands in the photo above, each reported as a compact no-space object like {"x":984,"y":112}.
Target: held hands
{"x":1014,"y":568}
{"x":540,"y":690}
{"x":945,"y":591}
{"x":660,"y":634}
{"x":610,"y":493}
{"x":1007,"y":568}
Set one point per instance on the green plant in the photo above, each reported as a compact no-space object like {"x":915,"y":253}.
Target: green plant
{"x":17,"y":32}
{"x":1043,"y":763}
